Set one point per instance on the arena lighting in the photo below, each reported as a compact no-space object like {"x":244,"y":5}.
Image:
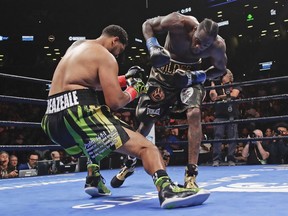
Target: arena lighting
{"x":28,"y":38}
{"x":265,"y":65}
{"x":138,"y":40}
{"x":76,"y":38}
{"x":2,"y":38}
{"x":250,"y":17}
{"x":223,"y":23}
{"x":272,"y":12}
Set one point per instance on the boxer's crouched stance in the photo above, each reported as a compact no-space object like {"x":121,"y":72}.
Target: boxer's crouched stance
{"x":76,"y":121}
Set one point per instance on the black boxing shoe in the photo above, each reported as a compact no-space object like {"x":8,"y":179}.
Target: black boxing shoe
{"x":125,"y":172}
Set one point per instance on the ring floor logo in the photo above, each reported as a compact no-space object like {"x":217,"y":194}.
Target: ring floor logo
{"x":257,"y":184}
{"x":106,"y":204}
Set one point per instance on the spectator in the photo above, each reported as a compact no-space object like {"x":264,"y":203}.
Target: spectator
{"x":244,"y":132}
{"x":4,"y":135}
{"x":269,"y":132}
{"x":208,"y":116}
{"x":224,"y":112}
{"x":56,"y":162}
{"x":279,"y":147}
{"x":238,"y":154}
{"x":6,"y":171}
{"x":165,"y":154}
{"x":205,"y":153}
{"x":281,"y":129}
{"x":32,"y":162}
{"x":13,"y":162}
{"x":251,"y":112}
{"x":254,"y":151}
{"x":170,"y":141}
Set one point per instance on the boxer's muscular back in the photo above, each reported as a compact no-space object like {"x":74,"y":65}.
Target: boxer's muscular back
{"x":78,"y":68}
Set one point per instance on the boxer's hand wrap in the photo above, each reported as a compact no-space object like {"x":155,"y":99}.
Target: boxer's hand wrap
{"x":133,"y":72}
{"x":135,"y":88}
{"x":158,"y":55}
{"x":186,"y":78}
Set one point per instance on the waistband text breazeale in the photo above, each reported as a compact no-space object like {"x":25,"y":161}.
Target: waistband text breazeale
{"x":61,"y":102}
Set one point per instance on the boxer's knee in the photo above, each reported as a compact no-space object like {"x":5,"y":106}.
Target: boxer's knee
{"x":148,"y":151}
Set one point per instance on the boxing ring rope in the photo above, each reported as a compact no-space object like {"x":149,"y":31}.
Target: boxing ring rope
{"x":263,"y":98}
{"x":181,"y":126}
{"x":15,"y":99}
{"x":246,"y":83}
{"x":233,"y":140}
{"x":250,"y":82}
{"x":25,"y":78}
{"x":19,"y":124}
{"x":30,"y":147}
{"x":261,"y":119}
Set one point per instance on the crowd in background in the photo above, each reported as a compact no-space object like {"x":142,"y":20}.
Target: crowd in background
{"x":172,"y":142}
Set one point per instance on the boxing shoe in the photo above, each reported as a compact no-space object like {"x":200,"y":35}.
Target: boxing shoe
{"x":191,"y":172}
{"x":125,"y":172}
{"x":173,"y":196}
{"x":95,"y":184}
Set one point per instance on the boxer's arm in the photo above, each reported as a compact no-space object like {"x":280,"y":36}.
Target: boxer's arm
{"x":219,"y":60}
{"x":115,"y":98}
{"x":172,"y":22}
{"x":159,"y":25}
{"x":159,"y":56}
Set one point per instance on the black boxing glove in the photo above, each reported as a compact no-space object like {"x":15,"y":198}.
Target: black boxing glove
{"x":133,"y":72}
{"x":185,"y":78}
{"x":158,"y":55}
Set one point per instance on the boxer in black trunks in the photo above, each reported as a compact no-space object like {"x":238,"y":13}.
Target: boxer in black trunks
{"x":174,"y":76}
{"x":81,"y":123}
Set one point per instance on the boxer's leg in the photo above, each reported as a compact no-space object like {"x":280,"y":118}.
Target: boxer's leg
{"x":170,"y":195}
{"x":192,"y":100}
{"x":129,"y":162}
{"x":146,"y":123}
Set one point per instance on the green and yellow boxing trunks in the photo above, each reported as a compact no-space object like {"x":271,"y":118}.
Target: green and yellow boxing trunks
{"x":76,"y":121}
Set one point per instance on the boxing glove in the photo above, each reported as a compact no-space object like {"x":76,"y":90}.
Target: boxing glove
{"x":135,"y":88}
{"x":133,"y":72}
{"x":186,"y":78}
{"x":158,"y":55}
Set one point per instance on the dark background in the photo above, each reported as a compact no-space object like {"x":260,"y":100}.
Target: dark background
{"x":64,"y":18}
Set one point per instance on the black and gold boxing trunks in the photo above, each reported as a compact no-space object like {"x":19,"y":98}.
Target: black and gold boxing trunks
{"x":76,"y":121}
